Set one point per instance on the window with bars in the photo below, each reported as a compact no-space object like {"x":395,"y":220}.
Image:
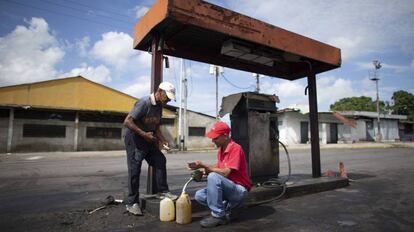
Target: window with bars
{"x":196,"y":131}
{"x":44,"y":131}
{"x":103,"y":132}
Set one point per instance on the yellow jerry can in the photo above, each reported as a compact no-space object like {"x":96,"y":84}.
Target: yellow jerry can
{"x":183,"y":209}
{"x":167,"y":210}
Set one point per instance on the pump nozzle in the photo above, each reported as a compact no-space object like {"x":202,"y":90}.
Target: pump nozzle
{"x":197,"y":175}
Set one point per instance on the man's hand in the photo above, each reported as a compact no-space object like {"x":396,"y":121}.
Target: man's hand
{"x":196,"y":165}
{"x":163,"y":145}
{"x":149,"y":137}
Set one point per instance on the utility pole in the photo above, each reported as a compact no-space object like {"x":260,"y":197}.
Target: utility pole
{"x":185,"y":124}
{"x":257,"y":82}
{"x":216,"y":70}
{"x":182,"y":114}
{"x":377,"y":66}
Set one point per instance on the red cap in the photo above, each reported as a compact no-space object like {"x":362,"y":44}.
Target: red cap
{"x":219,"y":128}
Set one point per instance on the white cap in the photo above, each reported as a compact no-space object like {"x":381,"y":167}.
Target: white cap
{"x":169,"y":89}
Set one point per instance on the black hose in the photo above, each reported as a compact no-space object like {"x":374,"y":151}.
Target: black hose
{"x":273,"y":183}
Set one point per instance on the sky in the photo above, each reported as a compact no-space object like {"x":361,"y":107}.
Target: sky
{"x":50,"y":39}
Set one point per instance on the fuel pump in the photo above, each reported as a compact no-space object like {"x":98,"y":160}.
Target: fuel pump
{"x":254,"y":125}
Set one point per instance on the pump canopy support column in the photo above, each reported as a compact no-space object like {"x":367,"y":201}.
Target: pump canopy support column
{"x":156,"y":79}
{"x":314,"y":126}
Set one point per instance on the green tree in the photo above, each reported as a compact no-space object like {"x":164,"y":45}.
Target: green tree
{"x":356,"y":104}
{"x":403,"y":104}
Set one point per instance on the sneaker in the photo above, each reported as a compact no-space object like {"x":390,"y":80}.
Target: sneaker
{"x":210,"y":221}
{"x":134,"y":209}
{"x":168,"y":195}
{"x":234,"y":213}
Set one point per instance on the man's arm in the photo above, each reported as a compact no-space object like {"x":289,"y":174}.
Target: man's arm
{"x":130,"y":124}
{"x":210,"y":168}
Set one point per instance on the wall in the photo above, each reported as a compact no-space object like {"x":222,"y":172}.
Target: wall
{"x":99,"y":144}
{"x":345,"y":134}
{"x":34,"y":144}
{"x":169,"y":131}
{"x":389,"y":129}
{"x":289,"y":131}
{"x":199,"y":120}
{"x":289,"y":128}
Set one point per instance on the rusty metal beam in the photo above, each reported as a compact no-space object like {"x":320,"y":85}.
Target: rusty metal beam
{"x":156,"y":66}
{"x":156,"y":79}
{"x":314,"y":125}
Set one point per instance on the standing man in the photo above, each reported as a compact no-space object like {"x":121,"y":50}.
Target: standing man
{"x":143,"y":140}
{"x":227,"y":183}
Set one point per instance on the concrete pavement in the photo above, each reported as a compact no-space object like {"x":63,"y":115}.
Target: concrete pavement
{"x":55,"y":192}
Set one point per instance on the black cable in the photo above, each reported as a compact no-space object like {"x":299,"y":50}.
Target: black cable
{"x":83,"y":11}
{"x":100,"y":9}
{"x":234,"y":84}
{"x":60,"y":14}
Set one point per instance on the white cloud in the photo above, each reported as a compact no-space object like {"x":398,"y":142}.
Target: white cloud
{"x":291,"y":93}
{"x":82,"y":45}
{"x":140,"y":87}
{"x":115,"y":48}
{"x":350,"y":47}
{"x":331,"y":89}
{"x":412,"y":65}
{"x":100,"y":74}
{"x":203,"y":101}
{"x":395,"y":68}
{"x":140,"y":11}
{"x":283,"y":88}
{"x":357,"y":27}
{"x":29,"y":54}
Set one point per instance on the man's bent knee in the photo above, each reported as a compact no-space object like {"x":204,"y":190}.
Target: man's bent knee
{"x":214,"y":177}
{"x":200,"y":196}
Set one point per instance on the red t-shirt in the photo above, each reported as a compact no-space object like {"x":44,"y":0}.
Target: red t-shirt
{"x":233,"y":157}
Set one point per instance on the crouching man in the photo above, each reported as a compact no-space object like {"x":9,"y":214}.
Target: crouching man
{"x":227,"y":183}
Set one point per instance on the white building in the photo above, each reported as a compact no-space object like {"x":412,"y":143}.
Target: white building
{"x":346,"y":127}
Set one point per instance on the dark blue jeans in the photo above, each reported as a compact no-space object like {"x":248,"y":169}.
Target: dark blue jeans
{"x":137,"y":150}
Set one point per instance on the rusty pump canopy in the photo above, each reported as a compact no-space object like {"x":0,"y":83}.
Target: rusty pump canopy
{"x":200,"y":31}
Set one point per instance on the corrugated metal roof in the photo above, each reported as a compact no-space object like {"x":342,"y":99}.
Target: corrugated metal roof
{"x":372,"y":115}
{"x":350,"y":114}
{"x":73,"y":93}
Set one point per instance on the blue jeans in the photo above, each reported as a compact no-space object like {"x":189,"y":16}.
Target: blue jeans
{"x":221,"y":194}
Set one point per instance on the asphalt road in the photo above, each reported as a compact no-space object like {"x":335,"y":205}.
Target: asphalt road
{"x":55,"y":191}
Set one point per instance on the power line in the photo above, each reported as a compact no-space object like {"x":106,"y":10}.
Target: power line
{"x":102,"y":10}
{"x":61,"y":13}
{"x":83,"y":11}
{"x":234,"y":84}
